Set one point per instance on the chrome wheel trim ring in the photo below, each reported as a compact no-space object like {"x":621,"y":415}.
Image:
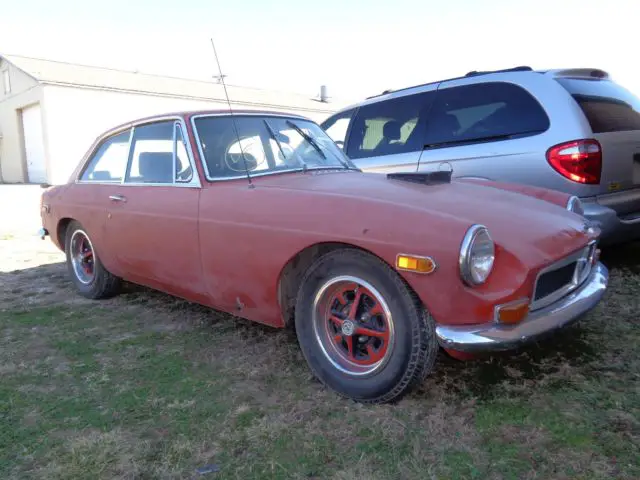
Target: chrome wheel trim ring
{"x":77,"y":261}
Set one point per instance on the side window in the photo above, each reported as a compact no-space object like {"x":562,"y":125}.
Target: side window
{"x":158,"y":155}
{"x":109,"y":161}
{"x":481,"y":112}
{"x":337,"y":126}
{"x":184,"y":172}
{"x":390,"y":127}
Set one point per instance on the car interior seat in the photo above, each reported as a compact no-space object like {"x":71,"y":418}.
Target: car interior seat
{"x":390,"y":133}
{"x":156,"y":167}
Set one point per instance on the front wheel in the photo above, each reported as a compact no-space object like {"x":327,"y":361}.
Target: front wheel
{"x":88,"y":274}
{"x":361,"y":329}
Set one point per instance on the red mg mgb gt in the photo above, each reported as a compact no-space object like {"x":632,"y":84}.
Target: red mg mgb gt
{"x":261,"y":215}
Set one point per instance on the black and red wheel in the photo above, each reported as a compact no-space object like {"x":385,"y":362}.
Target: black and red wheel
{"x":90,"y":277}
{"x":361,"y":329}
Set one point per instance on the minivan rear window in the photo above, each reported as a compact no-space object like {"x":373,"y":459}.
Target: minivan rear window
{"x":608,"y":106}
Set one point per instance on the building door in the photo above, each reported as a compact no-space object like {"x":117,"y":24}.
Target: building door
{"x":34,"y":144}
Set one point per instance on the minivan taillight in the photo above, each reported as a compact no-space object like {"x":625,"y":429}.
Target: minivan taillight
{"x":579,"y":160}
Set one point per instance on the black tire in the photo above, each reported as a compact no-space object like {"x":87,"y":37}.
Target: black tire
{"x":414,"y":346}
{"x":102,"y":284}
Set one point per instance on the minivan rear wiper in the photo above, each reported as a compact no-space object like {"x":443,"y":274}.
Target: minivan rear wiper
{"x":490,"y":138}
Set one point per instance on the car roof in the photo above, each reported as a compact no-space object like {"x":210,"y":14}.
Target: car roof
{"x":187,"y":114}
{"x":587,"y":73}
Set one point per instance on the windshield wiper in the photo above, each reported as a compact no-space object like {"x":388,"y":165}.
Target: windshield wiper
{"x":313,"y":143}
{"x":275,"y":139}
{"x":307,"y":138}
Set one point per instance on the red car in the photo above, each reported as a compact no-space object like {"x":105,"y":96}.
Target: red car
{"x":261,"y":215}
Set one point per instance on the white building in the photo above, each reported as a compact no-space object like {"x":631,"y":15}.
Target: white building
{"x":51,"y":112}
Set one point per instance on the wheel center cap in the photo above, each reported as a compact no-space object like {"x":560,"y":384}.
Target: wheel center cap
{"x":348,"y":327}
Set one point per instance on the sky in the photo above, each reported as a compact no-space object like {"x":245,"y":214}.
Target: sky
{"x":356,"y":48}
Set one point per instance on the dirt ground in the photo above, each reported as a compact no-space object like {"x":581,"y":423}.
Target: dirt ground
{"x":147,"y":386}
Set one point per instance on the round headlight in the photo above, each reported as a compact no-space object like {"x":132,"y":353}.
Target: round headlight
{"x":574,"y":204}
{"x":477,"y":255}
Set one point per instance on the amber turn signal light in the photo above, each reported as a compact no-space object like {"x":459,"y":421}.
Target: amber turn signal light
{"x":414,"y":263}
{"x":513,"y":312}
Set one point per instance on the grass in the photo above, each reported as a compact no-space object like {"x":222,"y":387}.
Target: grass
{"x":147,"y":386}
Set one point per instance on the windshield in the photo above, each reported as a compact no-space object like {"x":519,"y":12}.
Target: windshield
{"x":267,"y":144}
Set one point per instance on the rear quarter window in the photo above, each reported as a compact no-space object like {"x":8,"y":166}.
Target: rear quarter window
{"x":608,"y":106}
{"x":483,"y":112}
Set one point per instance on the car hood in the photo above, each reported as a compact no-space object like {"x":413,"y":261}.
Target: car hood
{"x":525,"y":225}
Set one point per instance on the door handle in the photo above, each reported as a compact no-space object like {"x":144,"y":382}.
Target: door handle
{"x":118,"y":198}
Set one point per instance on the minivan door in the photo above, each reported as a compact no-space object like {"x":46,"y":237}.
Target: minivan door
{"x":486,"y":130}
{"x":613,"y":114}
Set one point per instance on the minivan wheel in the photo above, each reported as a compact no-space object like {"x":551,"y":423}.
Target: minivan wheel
{"x":88,"y":274}
{"x":361,"y":329}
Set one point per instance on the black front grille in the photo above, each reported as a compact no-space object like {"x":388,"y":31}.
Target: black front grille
{"x":554,"y":280}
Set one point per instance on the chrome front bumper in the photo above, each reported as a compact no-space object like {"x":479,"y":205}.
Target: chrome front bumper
{"x":494,"y":336}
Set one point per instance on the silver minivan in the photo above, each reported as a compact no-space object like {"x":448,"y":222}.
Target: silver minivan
{"x":573,"y":130}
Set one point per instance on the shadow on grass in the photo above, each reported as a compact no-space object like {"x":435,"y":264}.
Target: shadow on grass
{"x":626,"y":256}
{"x":477,"y":378}
{"x":487,"y":376}
{"x":203,"y":315}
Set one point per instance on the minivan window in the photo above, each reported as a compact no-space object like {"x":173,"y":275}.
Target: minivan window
{"x":390,"y":127}
{"x":337,"y":126}
{"x":609,"y":107}
{"x":483,"y":112}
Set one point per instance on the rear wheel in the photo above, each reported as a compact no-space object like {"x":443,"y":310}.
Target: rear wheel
{"x":361,"y":329}
{"x":88,"y":274}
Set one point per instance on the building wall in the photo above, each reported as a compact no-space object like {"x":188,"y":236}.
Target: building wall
{"x":25,"y":91}
{"x":76,"y":116}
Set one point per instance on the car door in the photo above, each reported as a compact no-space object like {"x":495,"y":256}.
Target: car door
{"x":88,"y":199}
{"x":388,"y":136}
{"x":152,"y":227}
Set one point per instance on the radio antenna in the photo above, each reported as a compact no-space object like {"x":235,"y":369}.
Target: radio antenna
{"x":233,"y":120}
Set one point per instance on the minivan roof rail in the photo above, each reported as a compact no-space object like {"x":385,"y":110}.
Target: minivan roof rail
{"x":522,"y":68}
{"x":470,"y":74}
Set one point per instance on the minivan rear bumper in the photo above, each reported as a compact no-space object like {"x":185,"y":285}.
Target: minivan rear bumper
{"x":614,"y":229}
